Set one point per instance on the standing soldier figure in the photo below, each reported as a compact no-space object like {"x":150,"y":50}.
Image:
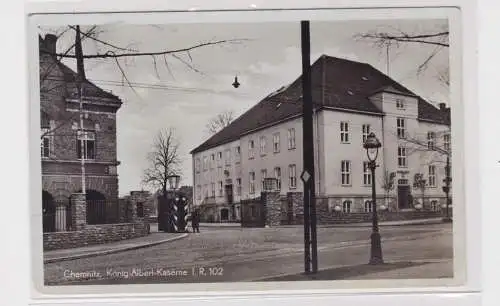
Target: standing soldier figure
{"x":195,"y":221}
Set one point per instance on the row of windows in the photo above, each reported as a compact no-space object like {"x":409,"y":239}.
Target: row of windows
{"x":276,"y":148}
{"x":400,"y":131}
{"x":346,"y":175}
{"x":292,"y":182}
{"x":344,"y":138}
{"x":85,"y":144}
{"x":368,"y":206}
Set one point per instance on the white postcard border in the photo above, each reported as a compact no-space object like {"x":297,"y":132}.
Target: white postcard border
{"x":469,"y":129}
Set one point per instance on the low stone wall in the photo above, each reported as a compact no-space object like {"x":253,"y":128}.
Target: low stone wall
{"x":94,"y":234}
{"x":342,"y":218}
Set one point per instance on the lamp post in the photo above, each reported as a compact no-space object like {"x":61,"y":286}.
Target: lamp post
{"x":372,"y":145}
{"x":173,"y":182}
{"x":446,"y":189}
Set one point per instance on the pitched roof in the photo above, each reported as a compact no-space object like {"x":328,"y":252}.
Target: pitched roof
{"x":71,"y":77}
{"x":336,"y":83}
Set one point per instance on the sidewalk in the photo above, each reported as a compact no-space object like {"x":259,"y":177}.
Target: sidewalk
{"x":389,"y":270}
{"x":110,"y":248}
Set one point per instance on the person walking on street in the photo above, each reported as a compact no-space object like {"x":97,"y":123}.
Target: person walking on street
{"x":195,"y":221}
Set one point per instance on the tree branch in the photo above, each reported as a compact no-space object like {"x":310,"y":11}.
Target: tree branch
{"x":103,"y":42}
{"x":136,"y":54}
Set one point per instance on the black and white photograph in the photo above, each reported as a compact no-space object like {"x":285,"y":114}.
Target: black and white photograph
{"x":247,"y":151}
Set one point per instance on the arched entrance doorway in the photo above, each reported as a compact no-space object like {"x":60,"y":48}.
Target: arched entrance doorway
{"x":48,"y":212}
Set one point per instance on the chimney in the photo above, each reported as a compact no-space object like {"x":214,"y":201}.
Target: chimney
{"x":442,"y":106}
{"x":50,"y":43}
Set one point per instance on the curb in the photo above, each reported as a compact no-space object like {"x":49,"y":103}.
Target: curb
{"x":107,"y":252}
{"x":422,"y":222}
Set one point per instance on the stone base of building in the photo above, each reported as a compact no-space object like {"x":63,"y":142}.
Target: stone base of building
{"x":220,"y":213}
{"x":94,"y":234}
{"x":273,"y":209}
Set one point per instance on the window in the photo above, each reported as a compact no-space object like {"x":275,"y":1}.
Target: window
{"x":139,"y":208}
{"x":228,"y":157}
{"x":434,"y":205}
{"x":431,"y":136}
{"x":252,"y":182}
{"x":197,"y":165}
{"x":213,"y":190}
{"x":205,"y":163}
{"x":402,"y":157}
{"x":276,"y":143}
{"x":262,"y":145}
{"x":446,"y":142}
{"x":368,"y":206}
{"x":400,"y":104}
{"x":212,"y":161}
{"x":401,"y":127}
{"x":277,"y":175}
{"x":237,"y":154}
{"x":366,"y":131}
{"x":86,"y":139}
{"x":238,"y":186}
{"x":205,"y":191}
{"x":367,"y":174}
{"x":292,"y":175}
{"x":221,"y":190}
{"x":198,"y":192}
{"x":346,"y":206}
{"x":344,"y":132}
{"x":291,"y":139}
{"x":251,"y":146}
{"x":345,"y":172}
{"x":45,"y":143}
{"x":263,"y":175}
{"x":432,"y":176}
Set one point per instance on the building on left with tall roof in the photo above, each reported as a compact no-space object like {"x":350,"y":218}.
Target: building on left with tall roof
{"x":64,"y":143}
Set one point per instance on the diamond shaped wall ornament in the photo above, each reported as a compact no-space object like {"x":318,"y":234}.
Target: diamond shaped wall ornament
{"x":305,"y":176}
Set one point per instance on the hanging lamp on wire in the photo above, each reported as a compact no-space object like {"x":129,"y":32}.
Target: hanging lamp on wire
{"x":236,"y":84}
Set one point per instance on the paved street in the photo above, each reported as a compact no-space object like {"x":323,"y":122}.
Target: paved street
{"x":251,"y":254}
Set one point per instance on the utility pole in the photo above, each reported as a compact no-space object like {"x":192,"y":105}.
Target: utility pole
{"x":446,"y":188}
{"x":388,"y":59}
{"x":307,"y":176}
{"x":80,"y":80}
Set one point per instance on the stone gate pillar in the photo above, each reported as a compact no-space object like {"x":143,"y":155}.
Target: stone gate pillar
{"x":78,"y":211}
{"x":272,"y":208}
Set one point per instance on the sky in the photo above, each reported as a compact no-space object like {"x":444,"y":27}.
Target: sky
{"x":266,"y":57}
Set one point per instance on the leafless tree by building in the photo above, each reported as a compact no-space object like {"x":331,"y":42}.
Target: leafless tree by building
{"x":164,"y":160}
{"x":219,"y":122}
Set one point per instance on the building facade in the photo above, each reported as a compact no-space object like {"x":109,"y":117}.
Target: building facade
{"x":66,"y":140}
{"x":350,"y":100}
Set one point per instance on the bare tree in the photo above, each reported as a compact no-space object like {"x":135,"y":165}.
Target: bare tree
{"x":164,"y":160}
{"x":219,"y":122}
{"x":438,"y":40}
{"x":382,"y":38}
{"x":420,"y":183}
{"x":388,"y":184}
{"x":50,"y":82}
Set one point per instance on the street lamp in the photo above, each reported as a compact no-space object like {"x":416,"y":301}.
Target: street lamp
{"x":173,"y":182}
{"x":372,"y":145}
